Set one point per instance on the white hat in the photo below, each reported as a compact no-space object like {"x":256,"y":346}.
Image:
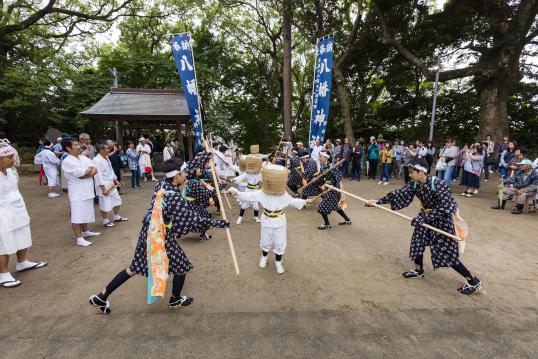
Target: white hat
{"x":7,"y":151}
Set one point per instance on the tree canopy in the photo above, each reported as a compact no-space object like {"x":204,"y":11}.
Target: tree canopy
{"x":56,"y":56}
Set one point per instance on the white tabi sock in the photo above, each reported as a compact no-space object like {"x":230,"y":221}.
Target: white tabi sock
{"x":6,"y":277}
{"x":90,"y":234}
{"x":116,"y":217}
{"x":24,"y":265}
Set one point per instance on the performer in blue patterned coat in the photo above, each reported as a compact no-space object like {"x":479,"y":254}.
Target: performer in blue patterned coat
{"x":180,"y":219}
{"x":198,"y":192}
{"x":330,"y":201}
{"x":438,"y":208}
{"x":295,"y":176}
{"x":311,"y":170}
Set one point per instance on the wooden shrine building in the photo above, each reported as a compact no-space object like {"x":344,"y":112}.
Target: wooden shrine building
{"x":144,"y":109}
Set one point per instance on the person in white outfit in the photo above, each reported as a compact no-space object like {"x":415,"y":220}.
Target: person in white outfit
{"x":50,"y":163}
{"x":316,"y":150}
{"x":79,"y":171}
{"x":273,"y":234}
{"x":144,"y":150}
{"x":106,"y":186}
{"x":253,"y":178}
{"x":15,"y":235}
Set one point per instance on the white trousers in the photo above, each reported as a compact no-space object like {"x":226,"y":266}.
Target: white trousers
{"x":107,"y":203}
{"x":82,"y":212}
{"x":273,"y":238}
{"x":52,"y":177}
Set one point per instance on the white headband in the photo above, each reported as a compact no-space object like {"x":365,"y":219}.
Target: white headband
{"x":171,"y":174}
{"x":7,"y":151}
{"x":420,"y":168}
{"x":48,"y":147}
{"x":325,"y":154}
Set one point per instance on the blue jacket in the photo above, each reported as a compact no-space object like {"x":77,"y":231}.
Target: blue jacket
{"x":519,"y":182}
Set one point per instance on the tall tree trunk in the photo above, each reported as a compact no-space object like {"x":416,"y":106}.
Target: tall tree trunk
{"x":493,"y":108}
{"x":343,"y":99}
{"x":286,"y":69}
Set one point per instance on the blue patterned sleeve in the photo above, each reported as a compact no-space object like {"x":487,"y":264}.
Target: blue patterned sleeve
{"x":182,"y":217}
{"x":399,"y":198}
{"x":445,"y":206}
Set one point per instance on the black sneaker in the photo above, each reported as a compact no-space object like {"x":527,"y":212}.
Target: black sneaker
{"x":179,"y":302}
{"x":97,"y":301}
{"x":205,"y":237}
{"x":471,"y":287}
{"x":324,"y":227}
{"x":344,"y":223}
{"x":413,"y":273}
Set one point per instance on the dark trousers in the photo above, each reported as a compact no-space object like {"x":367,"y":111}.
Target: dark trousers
{"x":372,"y":168}
{"x":356,"y":169}
{"x":135,"y":178}
{"x":406,"y":174}
{"x":346,"y":168}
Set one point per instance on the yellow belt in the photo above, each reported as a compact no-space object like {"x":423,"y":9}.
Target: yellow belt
{"x":427,"y":210}
{"x":274,"y":214}
{"x":250,"y":186}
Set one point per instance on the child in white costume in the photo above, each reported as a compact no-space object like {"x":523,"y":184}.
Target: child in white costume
{"x":251,"y":180}
{"x":273,"y":219}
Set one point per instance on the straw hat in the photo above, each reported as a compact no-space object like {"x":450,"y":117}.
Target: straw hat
{"x":253,"y":164}
{"x":274,"y":179}
{"x":254,"y":149}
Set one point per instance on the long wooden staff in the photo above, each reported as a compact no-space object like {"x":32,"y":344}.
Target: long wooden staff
{"x":319,"y":195}
{"x":276,"y":149}
{"x":395,"y":213}
{"x":324,"y":173}
{"x":218,"y":179}
{"x":230,"y":243}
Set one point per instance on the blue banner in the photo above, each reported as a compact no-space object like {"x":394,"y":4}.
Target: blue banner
{"x":321,"y":92}
{"x":182,"y":49}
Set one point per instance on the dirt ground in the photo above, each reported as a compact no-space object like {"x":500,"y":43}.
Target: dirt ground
{"x":342,"y":294}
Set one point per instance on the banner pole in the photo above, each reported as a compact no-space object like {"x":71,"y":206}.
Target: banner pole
{"x":312,"y":97}
{"x":197,"y":91}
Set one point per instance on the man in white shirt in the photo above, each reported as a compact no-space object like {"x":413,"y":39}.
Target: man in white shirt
{"x":106,"y":186}
{"x":50,"y":163}
{"x":79,"y":171}
{"x":144,"y":150}
{"x":316,"y":150}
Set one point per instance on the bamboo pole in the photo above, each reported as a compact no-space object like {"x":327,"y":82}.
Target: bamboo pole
{"x":228,"y":235}
{"x":324,"y":173}
{"x":395,"y":213}
{"x":217,"y":177}
{"x":319,"y":195}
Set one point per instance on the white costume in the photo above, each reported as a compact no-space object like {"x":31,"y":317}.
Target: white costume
{"x":50,"y":166}
{"x":81,"y":191}
{"x":224,"y":165}
{"x":14,"y":219}
{"x":105,"y":177}
{"x":273,"y":219}
{"x":316,"y":150}
{"x":251,"y":181}
{"x":145,"y":159}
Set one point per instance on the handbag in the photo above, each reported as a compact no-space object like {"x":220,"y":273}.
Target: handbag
{"x":441,"y":164}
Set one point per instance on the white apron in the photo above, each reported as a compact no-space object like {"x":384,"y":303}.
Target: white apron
{"x":14,"y":218}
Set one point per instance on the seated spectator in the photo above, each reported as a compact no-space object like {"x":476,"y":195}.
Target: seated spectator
{"x":520,"y":155}
{"x":523,"y":185}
